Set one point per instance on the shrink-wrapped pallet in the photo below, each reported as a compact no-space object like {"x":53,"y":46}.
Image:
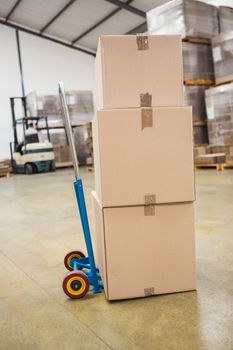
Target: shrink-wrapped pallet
{"x":195,"y":96}
{"x":82,"y":140}
{"x":198,"y":62}
{"x":45,"y":103}
{"x":187,"y":17}
{"x":222,"y":46}
{"x":225,"y":18}
{"x":200,"y":135}
{"x":219,"y":104}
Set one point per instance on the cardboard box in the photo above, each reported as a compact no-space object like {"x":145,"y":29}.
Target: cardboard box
{"x":229,"y":159}
{"x":228,"y":139}
{"x":136,"y":70}
{"x":141,"y":255}
{"x":143,"y":152}
{"x":200,"y":134}
{"x":62,"y":153}
{"x":200,"y":150}
{"x":195,"y":96}
{"x":228,"y":149}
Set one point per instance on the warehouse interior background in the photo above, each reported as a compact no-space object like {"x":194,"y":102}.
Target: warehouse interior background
{"x":44,"y":63}
{"x":47,"y":42}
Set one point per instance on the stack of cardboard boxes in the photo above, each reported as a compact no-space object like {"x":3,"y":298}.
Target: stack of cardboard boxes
{"x":197,"y":22}
{"x":143,"y":151}
{"x":219,"y":98}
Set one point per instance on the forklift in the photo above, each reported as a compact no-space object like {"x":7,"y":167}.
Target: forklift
{"x":30,"y":155}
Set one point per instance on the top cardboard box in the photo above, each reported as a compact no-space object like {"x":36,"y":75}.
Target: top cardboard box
{"x":139,"y":71}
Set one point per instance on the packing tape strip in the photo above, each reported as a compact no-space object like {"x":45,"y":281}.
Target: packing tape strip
{"x":149,"y":291}
{"x":149,"y":207}
{"x":142,"y":42}
{"x":145,"y":100}
{"x":147,"y":118}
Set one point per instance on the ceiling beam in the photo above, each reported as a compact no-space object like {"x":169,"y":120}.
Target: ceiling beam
{"x":104,"y":19}
{"x":12,"y":10}
{"x":57,"y":15}
{"x":127,"y":7}
{"x":43,"y":36}
{"x":141,"y":28}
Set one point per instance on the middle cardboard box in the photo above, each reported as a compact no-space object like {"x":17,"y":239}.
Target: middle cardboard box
{"x":143,"y":156}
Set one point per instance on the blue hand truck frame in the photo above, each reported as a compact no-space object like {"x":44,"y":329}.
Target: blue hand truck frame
{"x":84,"y":270}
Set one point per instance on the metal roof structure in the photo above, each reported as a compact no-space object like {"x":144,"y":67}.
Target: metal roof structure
{"x":76,"y":23}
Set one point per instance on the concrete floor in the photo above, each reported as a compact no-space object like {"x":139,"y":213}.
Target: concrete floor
{"x":39,"y":223}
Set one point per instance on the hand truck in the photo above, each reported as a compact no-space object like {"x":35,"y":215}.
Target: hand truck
{"x":83,"y":270}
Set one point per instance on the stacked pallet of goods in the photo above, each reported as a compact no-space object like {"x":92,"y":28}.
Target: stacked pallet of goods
{"x":5,"y":168}
{"x":144,"y":176}
{"x":197,"y":22}
{"x":81,"y":109}
{"x":219,"y":99}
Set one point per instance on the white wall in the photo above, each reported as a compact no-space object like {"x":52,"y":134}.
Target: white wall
{"x":44,"y":64}
{"x":9,"y":86}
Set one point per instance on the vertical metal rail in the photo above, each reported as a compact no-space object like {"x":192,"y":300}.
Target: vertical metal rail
{"x":47,"y":128}
{"x":20,"y":62}
{"x":14,"y":122}
{"x":69,"y":129}
{"x":24,"y":103}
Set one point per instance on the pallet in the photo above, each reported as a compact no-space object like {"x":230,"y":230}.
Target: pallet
{"x":194,"y":40}
{"x":5,"y":174}
{"x":60,"y":165}
{"x":218,"y":167}
{"x":228,"y":165}
{"x":192,"y":82}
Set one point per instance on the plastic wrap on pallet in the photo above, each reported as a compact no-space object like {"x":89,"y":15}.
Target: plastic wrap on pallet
{"x":187,"y":17}
{"x":195,"y":96}
{"x":200,"y":134}
{"x":219,"y":106}
{"x":225,"y":19}
{"x":43,"y":103}
{"x":222,"y":46}
{"x":197,"y":61}
{"x":80,"y":105}
{"x":82,"y":139}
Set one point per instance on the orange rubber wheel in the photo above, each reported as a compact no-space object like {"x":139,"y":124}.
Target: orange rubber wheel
{"x":76,"y":285}
{"x":77,"y":254}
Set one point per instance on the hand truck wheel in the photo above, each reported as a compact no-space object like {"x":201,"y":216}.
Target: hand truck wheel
{"x":76,"y":285}
{"x":73,"y":254}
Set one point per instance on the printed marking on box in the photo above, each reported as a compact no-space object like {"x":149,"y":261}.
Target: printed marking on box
{"x":210,"y":112}
{"x":217,"y":54}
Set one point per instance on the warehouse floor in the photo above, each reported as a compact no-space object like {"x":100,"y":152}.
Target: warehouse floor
{"x":39,"y":223}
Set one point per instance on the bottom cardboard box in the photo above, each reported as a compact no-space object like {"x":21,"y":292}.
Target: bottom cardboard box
{"x":144,"y":251}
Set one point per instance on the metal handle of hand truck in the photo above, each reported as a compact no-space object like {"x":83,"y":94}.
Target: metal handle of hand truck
{"x":68,"y":129}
